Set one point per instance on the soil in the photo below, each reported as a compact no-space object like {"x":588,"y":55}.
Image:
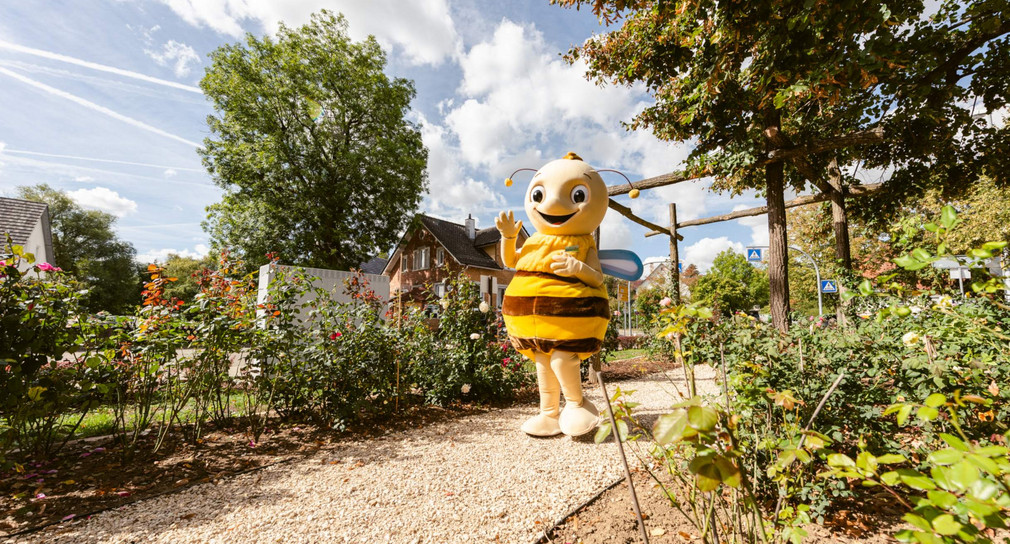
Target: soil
{"x":610,"y":519}
{"x":92,"y":475}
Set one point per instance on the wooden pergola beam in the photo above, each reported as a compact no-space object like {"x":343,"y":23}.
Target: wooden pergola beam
{"x":863,"y":137}
{"x":652,"y":183}
{"x":854,"y":191}
{"x":626,"y":212}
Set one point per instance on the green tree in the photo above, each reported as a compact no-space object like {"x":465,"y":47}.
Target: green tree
{"x":85,"y":245}
{"x":732,"y":284}
{"x":311,"y":145}
{"x":762,"y":85}
{"x":185,"y":270}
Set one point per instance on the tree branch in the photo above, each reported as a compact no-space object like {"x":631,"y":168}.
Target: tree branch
{"x":626,"y":212}
{"x":652,"y":183}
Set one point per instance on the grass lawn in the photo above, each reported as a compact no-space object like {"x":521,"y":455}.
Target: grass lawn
{"x":101,"y":421}
{"x":626,"y":354}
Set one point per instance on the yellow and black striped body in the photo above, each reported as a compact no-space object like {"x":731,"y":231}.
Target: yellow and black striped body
{"x":546,"y":312}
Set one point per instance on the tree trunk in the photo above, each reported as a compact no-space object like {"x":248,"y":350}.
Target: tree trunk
{"x":843,"y":252}
{"x":778,"y":243}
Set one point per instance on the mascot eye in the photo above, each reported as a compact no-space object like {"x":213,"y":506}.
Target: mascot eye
{"x":537,"y":195}
{"x":580,"y":194}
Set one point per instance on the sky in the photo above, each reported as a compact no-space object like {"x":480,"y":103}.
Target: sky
{"x":101,"y":99}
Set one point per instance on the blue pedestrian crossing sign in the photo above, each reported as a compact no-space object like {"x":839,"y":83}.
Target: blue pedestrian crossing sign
{"x":829,"y":286}
{"x":680,"y":267}
{"x":754,"y":254}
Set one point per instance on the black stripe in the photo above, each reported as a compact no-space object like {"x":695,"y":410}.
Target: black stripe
{"x":556,"y":306}
{"x":546,"y":276}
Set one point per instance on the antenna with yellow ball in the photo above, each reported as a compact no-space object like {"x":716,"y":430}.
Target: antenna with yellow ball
{"x":633,"y":193}
{"x":508,"y":180}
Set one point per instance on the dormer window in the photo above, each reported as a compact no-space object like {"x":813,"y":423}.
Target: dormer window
{"x":404,"y":265}
{"x":439,"y":256}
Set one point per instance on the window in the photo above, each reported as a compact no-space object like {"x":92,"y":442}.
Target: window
{"x":439,"y":256}
{"x":439,"y":290}
{"x":404,"y":266}
{"x":422,"y":258}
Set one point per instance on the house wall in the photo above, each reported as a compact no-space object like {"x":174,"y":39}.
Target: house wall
{"x":492,"y":281}
{"x":36,"y":245}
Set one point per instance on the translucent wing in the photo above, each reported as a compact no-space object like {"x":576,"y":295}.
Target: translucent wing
{"x":621,"y":263}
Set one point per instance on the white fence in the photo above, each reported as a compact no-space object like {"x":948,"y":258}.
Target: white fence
{"x":332,"y":281}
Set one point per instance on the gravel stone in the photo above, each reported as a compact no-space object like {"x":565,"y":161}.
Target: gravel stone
{"x":472,"y":479}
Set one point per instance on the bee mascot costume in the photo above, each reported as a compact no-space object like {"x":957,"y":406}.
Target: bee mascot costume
{"x":556,"y":308}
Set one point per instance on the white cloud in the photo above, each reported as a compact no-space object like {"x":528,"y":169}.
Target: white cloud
{"x":84,"y":179}
{"x":2,"y":146}
{"x":171,"y":172}
{"x":703,"y":252}
{"x":175,"y":54}
{"x":423,"y":29}
{"x":161,"y":255}
{"x":758,"y":225}
{"x":103,"y":199}
{"x":615,"y":232}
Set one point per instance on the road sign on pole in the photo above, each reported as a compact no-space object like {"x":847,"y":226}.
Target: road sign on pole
{"x":829,"y":286}
{"x":622,"y":292}
{"x":754,"y":255}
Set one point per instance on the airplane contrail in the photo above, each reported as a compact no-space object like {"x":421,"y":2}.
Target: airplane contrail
{"x":91,"y":105}
{"x":111,"y":161}
{"x":95,"y":66}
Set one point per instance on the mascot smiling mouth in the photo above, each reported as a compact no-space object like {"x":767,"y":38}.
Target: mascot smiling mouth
{"x":556,"y":219}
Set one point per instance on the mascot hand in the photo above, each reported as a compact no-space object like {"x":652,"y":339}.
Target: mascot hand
{"x":565,"y":264}
{"x":507,"y":226}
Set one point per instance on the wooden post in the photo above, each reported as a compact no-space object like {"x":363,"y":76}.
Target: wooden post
{"x":674,"y":256}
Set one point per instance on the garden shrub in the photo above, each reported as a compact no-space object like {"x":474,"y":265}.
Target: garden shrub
{"x":40,"y":320}
{"x":468,"y":356}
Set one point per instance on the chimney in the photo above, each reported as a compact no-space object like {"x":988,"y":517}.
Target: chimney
{"x":471,"y":227}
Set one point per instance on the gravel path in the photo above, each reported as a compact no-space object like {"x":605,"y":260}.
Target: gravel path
{"x":472,"y":479}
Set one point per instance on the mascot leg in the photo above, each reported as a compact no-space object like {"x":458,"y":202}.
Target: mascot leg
{"x":546,"y":422}
{"x":579,"y":416}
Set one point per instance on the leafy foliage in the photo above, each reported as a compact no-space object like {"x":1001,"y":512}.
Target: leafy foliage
{"x":322,"y":187}
{"x":731,"y":285}
{"x":85,"y":246}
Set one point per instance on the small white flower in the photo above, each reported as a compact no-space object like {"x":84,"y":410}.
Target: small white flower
{"x":444,"y":303}
{"x":484,"y":307}
{"x":475,"y":336}
{"x":465,"y":389}
{"x":945,"y":302}
{"x":916,"y":310}
{"x":910,"y":338}
{"x":671,"y":336}
{"x":666,"y":302}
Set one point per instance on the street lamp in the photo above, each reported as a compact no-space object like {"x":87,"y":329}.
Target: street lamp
{"x":817,"y":272}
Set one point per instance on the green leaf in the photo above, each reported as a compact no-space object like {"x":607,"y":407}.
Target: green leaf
{"x":903,"y":414}
{"x":942,"y":499}
{"x":917,"y":521}
{"x":602,"y":432}
{"x":840,"y":460}
{"x":672,"y":428}
{"x":947,"y":216}
{"x":947,"y":456}
{"x":936,"y":400}
{"x":706,"y":472}
{"x":931,"y":227}
{"x":907,"y":262}
{"x":962,"y":475}
{"x":994,"y":246}
{"x":702,"y":418}
{"x":915,"y":479}
{"x":954,"y":442}
{"x":921,"y":254}
{"x":927,"y":413}
{"x":890,"y":459}
{"x":865,"y":288}
{"x":945,"y":524}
